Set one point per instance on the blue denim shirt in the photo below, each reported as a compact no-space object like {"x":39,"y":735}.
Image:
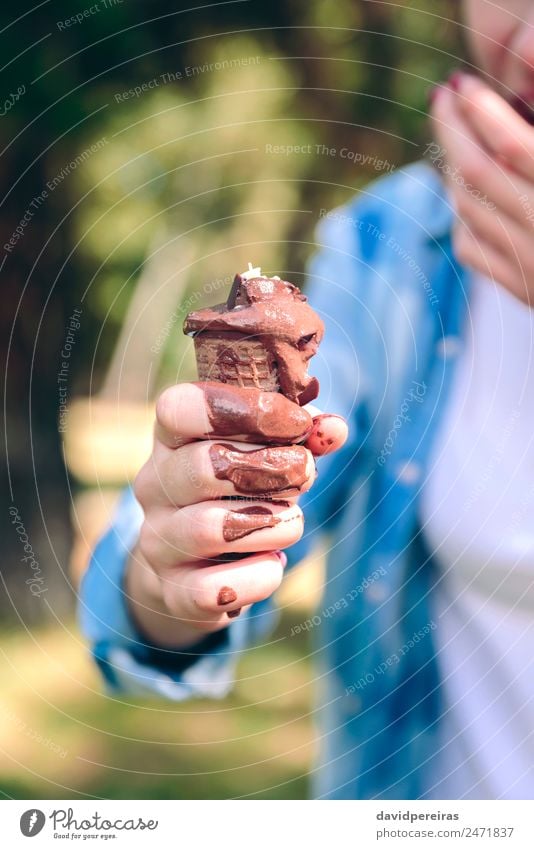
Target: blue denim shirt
{"x":394,"y":301}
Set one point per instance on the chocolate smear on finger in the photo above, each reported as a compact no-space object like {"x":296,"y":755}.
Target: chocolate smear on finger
{"x":265,"y":470}
{"x":240,"y":523}
{"x":262,"y":416}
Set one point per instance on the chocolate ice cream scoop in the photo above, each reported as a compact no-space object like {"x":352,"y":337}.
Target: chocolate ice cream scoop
{"x":262,"y":337}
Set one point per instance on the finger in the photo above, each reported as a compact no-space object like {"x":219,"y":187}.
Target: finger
{"x":203,"y":471}
{"x":198,"y":410}
{"x":207,"y":530}
{"x":329,"y":432}
{"x":204,"y":595}
{"x":505,"y":233}
{"x":500,"y":128}
{"x":510,"y":240}
{"x":466,"y":163}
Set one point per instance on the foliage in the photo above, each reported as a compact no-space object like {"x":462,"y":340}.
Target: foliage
{"x":193,"y":174}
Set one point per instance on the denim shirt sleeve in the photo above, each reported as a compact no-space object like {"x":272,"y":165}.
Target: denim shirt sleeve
{"x":126,"y":660}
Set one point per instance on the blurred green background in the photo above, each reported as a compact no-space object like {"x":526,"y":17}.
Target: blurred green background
{"x":149,"y":143}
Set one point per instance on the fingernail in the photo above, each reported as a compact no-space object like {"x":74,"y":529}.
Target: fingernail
{"x":455,"y":80}
{"x":233,"y":613}
{"x":226,"y":596}
{"x":317,"y":441}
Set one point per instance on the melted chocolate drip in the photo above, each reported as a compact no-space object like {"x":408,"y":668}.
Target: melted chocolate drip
{"x":275,"y":314}
{"x":265,"y":470}
{"x":263,"y":416}
{"x":240,"y":523}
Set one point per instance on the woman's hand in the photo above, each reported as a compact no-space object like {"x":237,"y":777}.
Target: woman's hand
{"x":223,"y":479}
{"x":486,"y":153}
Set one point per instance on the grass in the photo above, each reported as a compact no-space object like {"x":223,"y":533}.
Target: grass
{"x":62,"y":737}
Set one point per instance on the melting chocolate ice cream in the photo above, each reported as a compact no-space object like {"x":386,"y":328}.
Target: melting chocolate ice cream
{"x":262,"y":337}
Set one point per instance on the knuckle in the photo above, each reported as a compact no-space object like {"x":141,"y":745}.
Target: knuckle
{"x":195,"y":471}
{"x":141,"y":485}
{"x":182,"y":603}
{"x":203,"y":533}
{"x":149,"y":542}
{"x":202,"y":600}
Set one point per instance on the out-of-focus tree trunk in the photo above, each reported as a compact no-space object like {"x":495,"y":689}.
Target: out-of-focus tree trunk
{"x":32,"y":335}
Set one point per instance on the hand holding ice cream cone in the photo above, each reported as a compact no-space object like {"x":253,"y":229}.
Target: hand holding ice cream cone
{"x":262,"y":337}
{"x":232,"y":453}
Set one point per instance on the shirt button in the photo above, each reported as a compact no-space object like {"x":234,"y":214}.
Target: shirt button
{"x":409,"y":473}
{"x":448,"y":346}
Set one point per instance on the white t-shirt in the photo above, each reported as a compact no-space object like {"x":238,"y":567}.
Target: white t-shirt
{"x":477,"y":513}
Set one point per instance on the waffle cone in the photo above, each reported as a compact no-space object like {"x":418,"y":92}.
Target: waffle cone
{"x":236,"y":360}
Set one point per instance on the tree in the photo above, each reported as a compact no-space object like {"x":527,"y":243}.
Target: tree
{"x":348,"y":76}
